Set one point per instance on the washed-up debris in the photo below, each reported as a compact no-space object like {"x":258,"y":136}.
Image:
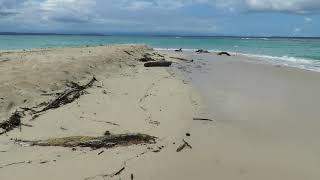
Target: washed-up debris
{"x":63,"y":129}
{"x":184,"y":145}
{"x":44,"y":162}
{"x":223,"y":53}
{"x":158,"y":64}
{"x":127,"y":52}
{"x":106,"y":141}
{"x":202,"y":51}
{"x":117,"y":173}
{"x":69,"y":95}
{"x":178,"y":50}
{"x":107,"y":122}
{"x":13,"y":122}
{"x":202,"y":119}
{"x":146,"y":58}
{"x":11,"y":164}
{"x":100,"y":152}
{"x":182,"y":59}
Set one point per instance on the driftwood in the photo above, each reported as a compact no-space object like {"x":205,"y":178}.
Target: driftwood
{"x":117,"y":173}
{"x":202,"y":119}
{"x":178,"y":50}
{"x":100,"y":152}
{"x":11,"y":164}
{"x":202,"y":51}
{"x":223,"y":53}
{"x":106,"y":141}
{"x":184,"y":145}
{"x":13,"y":122}
{"x":182,"y":59}
{"x":69,"y":95}
{"x":158,"y":64}
{"x":127,"y":52}
{"x":64,"y":98}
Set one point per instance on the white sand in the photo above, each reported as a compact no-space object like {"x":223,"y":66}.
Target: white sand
{"x":139,"y":99}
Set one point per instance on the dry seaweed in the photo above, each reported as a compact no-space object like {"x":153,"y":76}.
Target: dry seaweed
{"x":106,"y":141}
{"x":13,"y":122}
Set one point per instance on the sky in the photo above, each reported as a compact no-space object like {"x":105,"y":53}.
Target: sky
{"x":176,"y":17}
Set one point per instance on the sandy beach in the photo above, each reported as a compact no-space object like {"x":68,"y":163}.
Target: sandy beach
{"x":215,"y":117}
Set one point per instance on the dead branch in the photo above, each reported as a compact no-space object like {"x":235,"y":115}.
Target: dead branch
{"x":118,"y":172}
{"x":184,"y":145}
{"x":22,"y":162}
{"x":182,"y":59}
{"x":69,"y":95}
{"x":127,"y":52}
{"x":202,"y":119}
{"x":100,"y":152}
{"x":107,"y":122}
{"x":107,"y":175}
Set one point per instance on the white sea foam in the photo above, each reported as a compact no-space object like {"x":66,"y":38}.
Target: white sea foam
{"x":308,"y":64}
{"x":253,"y":38}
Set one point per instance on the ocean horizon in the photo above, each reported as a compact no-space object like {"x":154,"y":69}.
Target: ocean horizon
{"x":300,"y":52}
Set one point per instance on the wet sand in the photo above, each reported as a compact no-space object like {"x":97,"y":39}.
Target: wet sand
{"x":266,"y":118}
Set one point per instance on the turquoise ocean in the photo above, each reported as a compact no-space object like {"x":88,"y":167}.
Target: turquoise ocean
{"x":296,"y":52}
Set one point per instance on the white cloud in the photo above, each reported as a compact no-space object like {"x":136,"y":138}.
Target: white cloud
{"x":296,"y":31}
{"x":137,"y":15}
{"x":308,"y":20}
{"x":294,"y":6}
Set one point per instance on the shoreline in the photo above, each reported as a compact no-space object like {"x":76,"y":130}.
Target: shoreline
{"x":265,"y":117}
{"x":265,"y":59}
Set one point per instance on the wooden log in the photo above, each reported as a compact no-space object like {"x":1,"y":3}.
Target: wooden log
{"x":158,"y":64}
{"x":224,"y":53}
{"x":178,"y":50}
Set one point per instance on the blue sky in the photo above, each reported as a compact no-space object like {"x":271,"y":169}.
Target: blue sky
{"x":185,"y":17}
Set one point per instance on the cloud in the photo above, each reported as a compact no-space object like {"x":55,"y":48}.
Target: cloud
{"x":293,"y":6}
{"x":141,"y":15}
{"x":308,"y":20}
